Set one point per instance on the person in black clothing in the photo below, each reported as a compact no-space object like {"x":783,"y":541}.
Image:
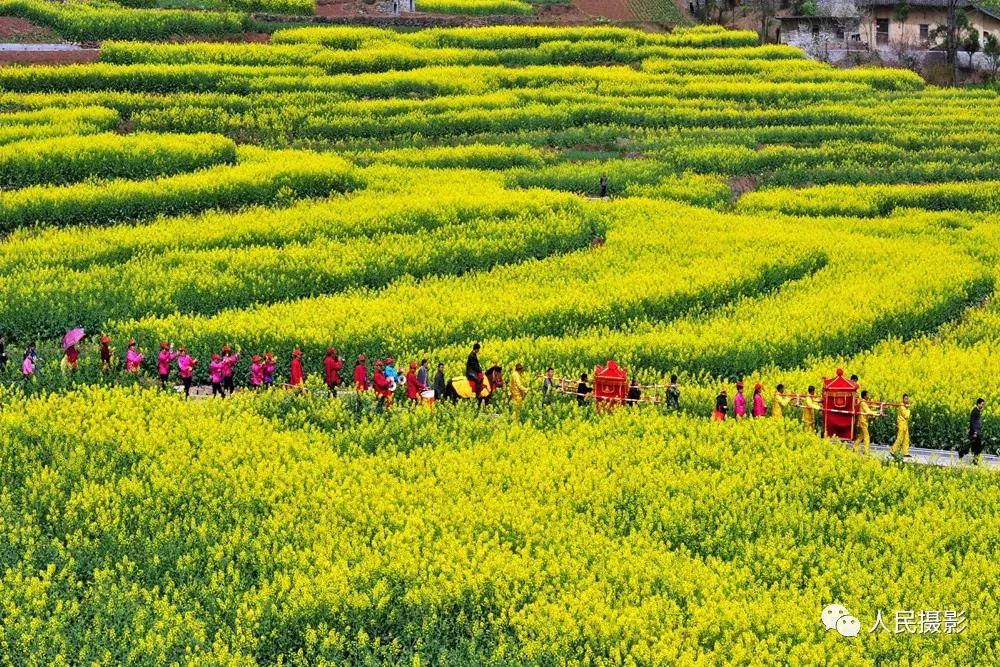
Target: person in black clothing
{"x":673,"y":394}
{"x":634,"y":393}
{"x":3,"y":354}
{"x":439,"y":384}
{"x":474,"y":372}
{"x":582,"y":389}
{"x":975,"y":432}
{"x":604,"y":185}
{"x":721,"y":406}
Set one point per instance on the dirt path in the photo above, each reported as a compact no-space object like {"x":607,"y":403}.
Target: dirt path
{"x":616,"y":10}
{"x":46,"y":54}
{"x":338,"y":8}
{"x":20,"y":31}
{"x":24,"y":43}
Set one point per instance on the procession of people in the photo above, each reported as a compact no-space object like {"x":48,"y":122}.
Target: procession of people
{"x":418,"y":386}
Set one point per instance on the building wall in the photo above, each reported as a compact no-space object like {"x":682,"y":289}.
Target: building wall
{"x":909,"y":32}
{"x":819,"y":43}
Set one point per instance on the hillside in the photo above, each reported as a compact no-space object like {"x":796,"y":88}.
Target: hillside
{"x":402,"y":193}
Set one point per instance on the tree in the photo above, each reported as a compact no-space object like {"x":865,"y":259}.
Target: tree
{"x":767,"y":10}
{"x":991,"y":50}
{"x":901,"y":10}
{"x":956,"y":34}
{"x":951,"y":44}
{"x":968,"y":38}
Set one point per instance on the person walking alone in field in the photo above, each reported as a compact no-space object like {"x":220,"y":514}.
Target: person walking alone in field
{"x":3,"y":354}
{"x":864,"y":412}
{"x":809,"y":408}
{"x":163,"y":361}
{"x":780,"y":402}
{"x":739,"y":403}
{"x":759,"y":406}
{"x":332,"y":365}
{"x":975,"y":432}
{"x":133,"y":359}
{"x":721,"y":406}
{"x":604,"y":185}
{"x":902,"y":444}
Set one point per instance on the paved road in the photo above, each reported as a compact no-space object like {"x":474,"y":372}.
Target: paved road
{"x":938,"y":457}
{"x":29,"y":48}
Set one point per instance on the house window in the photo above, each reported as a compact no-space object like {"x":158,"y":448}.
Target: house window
{"x":815,"y":27}
{"x":924,"y":31}
{"x":840,"y":33}
{"x":881,"y":31}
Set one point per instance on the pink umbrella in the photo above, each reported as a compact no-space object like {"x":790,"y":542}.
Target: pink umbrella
{"x":73,"y":336}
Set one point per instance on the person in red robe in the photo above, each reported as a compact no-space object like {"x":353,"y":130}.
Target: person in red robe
{"x":413,"y":385}
{"x":295,"y":377}
{"x":381,"y":384}
{"x":72,"y":359}
{"x":332,"y":366}
{"x":106,"y":353}
{"x":361,"y":375}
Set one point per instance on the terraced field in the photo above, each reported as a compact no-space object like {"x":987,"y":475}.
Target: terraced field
{"x":409,"y":193}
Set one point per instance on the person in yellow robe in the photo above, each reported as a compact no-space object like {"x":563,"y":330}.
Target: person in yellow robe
{"x":518,"y":389}
{"x":780,"y":402}
{"x":864,"y":412}
{"x":902,"y":443}
{"x":809,"y":408}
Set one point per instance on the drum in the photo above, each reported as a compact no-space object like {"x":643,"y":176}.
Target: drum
{"x":427,"y":395}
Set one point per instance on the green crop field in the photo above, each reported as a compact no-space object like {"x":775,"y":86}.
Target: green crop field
{"x":770,"y":219}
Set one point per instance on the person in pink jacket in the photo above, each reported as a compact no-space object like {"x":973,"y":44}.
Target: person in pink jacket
{"x":185,"y":365}
{"x":133,"y":360}
{"x":270,"y":365}
{"x":229,"y":359}
{"x":216,"y":371}
{"x":739,"y":402}
{"x":256,"y":372}
{"x":28,"y":365}
{"x":759,"y":407}
{"x":163,"y":361}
